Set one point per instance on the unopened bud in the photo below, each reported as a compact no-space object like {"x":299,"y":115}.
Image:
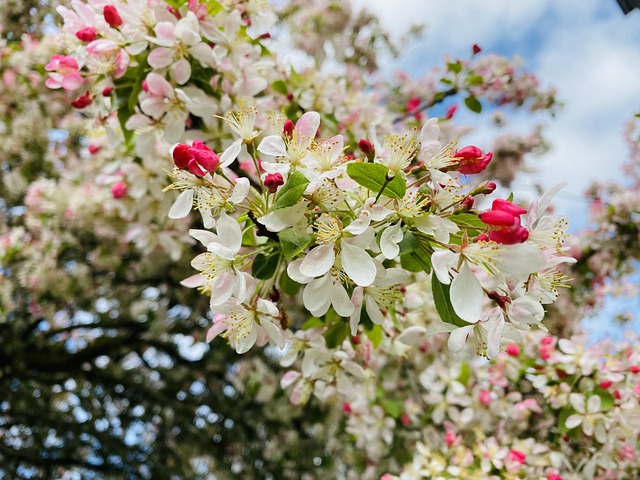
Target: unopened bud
{"x":106,"y":91}
{"x":465,"y":205}
{"x":82,"y":102}
{"x":366,"y":147}
{"x":485,"y":188}
{"x":273,"y":181}
{"x":476,"y":49}
{"x":119,"y":190}
{"x":87,"y":34}
{"x":112,"y":16}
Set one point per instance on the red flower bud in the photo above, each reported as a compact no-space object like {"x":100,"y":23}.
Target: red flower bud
{"x":174,"y":11}
{"x":476,"y":49}
{"x":145,"y":86}
{"x":106,"y":91}
{"x":181,"y":155}
{"x":482,"y":238}
{"x":489,"y":188}
{"x":467,"y":203}
{"x":366,"y":147}
{"x":265,"y":36}
{"x":554,"y":476}
{"x":112,"y":16}
{"x":288,"y":129}
{"x":93,"y":149}
{"x":119,"y":190}
{"x":273,"y":181}
{"x":82,"y":102}
{"x":197,"y":158}
{"x":472,"y":160}
{"x":87,"y":34}
{"x":504,"y":222}
{"x":634,"y":369}
{"x":606,"y":383}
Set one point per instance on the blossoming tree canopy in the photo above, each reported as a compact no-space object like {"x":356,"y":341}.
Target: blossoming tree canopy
{"x":219,"y":193}
{"x":291,"y":204}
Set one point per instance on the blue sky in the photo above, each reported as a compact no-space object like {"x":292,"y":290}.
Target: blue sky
{"x":588,"y":49}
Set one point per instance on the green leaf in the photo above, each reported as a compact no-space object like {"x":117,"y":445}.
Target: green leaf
{"x":468,"y":220}
{"x":293,"y":242}
{"x":409,"y":243}
{"x":443,"y":303}
{"x":280,"y":87}
{"x":288,"y":285}
{"x":474,"y":80}
{"x":374,"y":177}
{"x":605,"y":397}
{"x":337,"y":333}
{"x":465,"y":373}
{"x":375,"y":335}
{"x":291,"y":192}
{"x":562,"y":418}
{"x":473,"y":104}
{"x":313,"y":322}
{"x":393,"y":408}
{"x":415,"y":262}
{"x":638,"y":115}
{"x":510,"y":197}
{"x":455,"y":67}
{"x":264,"y":267}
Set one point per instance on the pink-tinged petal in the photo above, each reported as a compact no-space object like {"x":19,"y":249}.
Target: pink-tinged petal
{"x":341,"y":301}
{"x":102,"y":47}
{"x":72,"y":81}
{"x":182,"y":206}
{"x":181,"y":71}
{"x":216,"y":329}
{"x":194,"y":281}
{"x":443,"y":261}
{"x":122,"y":64}
{"x":458,"y":338}
{"x":153,"y":106}
{"x":229,"y":232}
{"x":273,"y":145}
{"x":389,"y":240}
{"x":307,"y":125}
{"x":358,"y":264}
{"x":203,"y":53}
{"x":231,"y":153}
{"x":318,"y":261}
{"x":165,"y":35}
{"x":137,"y":121}
{"x":526,"y":310}
{"x":54,"y":81}
{"x":205,"y":237}
{"x":573,"y":421}
{"x":289,"y":379}
{"x":466,"y":295}
{"x":222,"y":289}
{"x":250,"y":85}
{"x":317,"y":295}
{"x":158,"y":85}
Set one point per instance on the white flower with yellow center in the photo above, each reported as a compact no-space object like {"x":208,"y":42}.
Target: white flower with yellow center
{"x":398,"y":151}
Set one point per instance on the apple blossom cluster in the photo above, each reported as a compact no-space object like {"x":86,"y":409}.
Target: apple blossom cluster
{"x":351,"y":233}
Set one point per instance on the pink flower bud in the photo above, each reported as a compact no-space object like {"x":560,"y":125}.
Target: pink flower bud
{"x":206,"y":158}
{"x":112,"y":16}
{"x":82,"y":101}
{"x":346,"y":408}
{"x":513,"y":350}
{"x":472,"y":160}
{"x":484,"y":397}
{"x":606,"y":384}
{"x":451,"y":111}
{"x":554,"y":476}
{"x":489,"y":188}
{"x":517,"y":456}
{"x":413,"y":103}
{"x":93,"y":149}
{"x":467,"y":204}
{"x":482,"y":238}
{"x":504,"y":223}
{"x":119,"y":190}
{"x":106,"y":91}
{"x":288,"y":129}
{"x":366,"y":147}
{"x":450,"y":438}
{"x":405,"y":419}
{"x":273,"y":181}
{"x":476,"y":49}
{"x":87,"y":34}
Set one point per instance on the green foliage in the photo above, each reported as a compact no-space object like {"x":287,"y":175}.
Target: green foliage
{"x":293,"y":242}
{"x":291,"y":192}
{"x":473,"y":104}
{"x":374,"y":177}
{"x":264,"y":267}
{"x":442,"y":300}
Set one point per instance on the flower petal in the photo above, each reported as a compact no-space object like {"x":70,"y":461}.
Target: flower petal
{"x":318,"y":261}
{"x":358,"y":264}
{"x":466,"y":295}
{"x":182,"y":206}
{"x":273,"y":145}
{"x":458,"y":338}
